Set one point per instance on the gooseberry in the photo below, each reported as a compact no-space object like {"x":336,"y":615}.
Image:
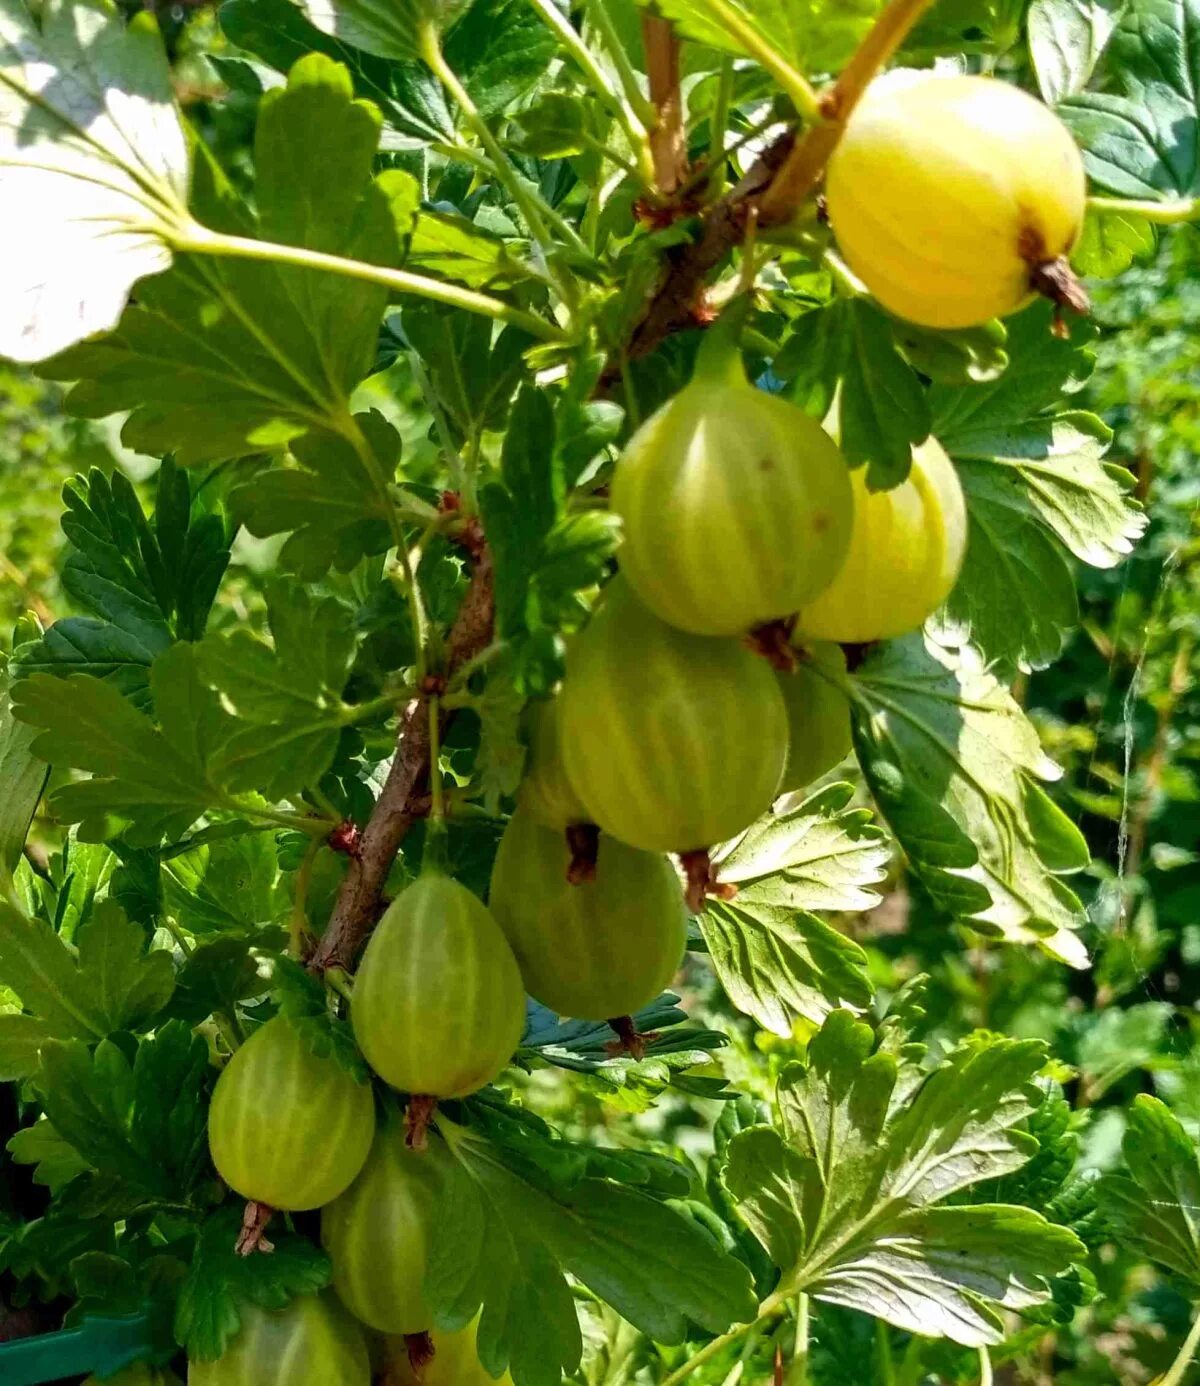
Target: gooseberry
{"x":546,"y":791}
{"x":735,"y":504}
{"x":287,"y":1127}
{"x":603,"y":948}
{"x":673,"y":741}
{"x":377,"y":1235}
{"x":312,"y":1342}
{"x":439,"y":1005}
{"x":955,"y":199}
{"x":905,"y":555}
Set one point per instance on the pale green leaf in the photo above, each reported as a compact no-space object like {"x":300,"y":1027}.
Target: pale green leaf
{"x":939,"y":737}
{"x":93,"y":153}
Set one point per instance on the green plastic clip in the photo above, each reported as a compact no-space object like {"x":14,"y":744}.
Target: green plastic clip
{"x":99,"y":1345}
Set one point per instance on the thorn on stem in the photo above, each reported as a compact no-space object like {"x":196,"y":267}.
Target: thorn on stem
{"x":252,"y":1237}
{"x":702,"y":880}
{"x":628,"y":1038}
{"x":417,"y":1117}
{"x":584,"y":841}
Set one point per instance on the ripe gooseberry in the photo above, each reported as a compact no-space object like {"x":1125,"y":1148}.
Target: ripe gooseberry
{"x":818,"y":714}
{"x":673,"y":741}
{"x":603,"y":948}
{"x":287,"y":1127}
{"x":439,"y":1005}
{"x":377,"y":1235}
{"x":956,"y":199}
{"x":455,"y":1362}
{"x":312,"y":1342}
{"x":735,"y":504}
{"x":905,"y":555}
{"x":545,"y":790}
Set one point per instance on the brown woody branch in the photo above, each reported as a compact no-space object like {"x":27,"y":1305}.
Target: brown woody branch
{"x":668,"y":139}
{"x":773,"y":190}
{"x":404,"y":797}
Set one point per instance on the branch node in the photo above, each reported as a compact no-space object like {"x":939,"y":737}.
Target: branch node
{"x":346,"y":838}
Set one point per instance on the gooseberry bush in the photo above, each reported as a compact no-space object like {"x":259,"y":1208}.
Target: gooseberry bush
{"x":607,"y":477}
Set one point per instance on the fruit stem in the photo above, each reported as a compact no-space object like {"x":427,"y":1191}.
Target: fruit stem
{"x":1163,"y":213}
{"x":417,"y":1117}
{"x":583,"y":840}
{"x":629,"y":1040}
{"x":253,"y":1235}
{"x":804,"y":165}
{"x":719,"y":360}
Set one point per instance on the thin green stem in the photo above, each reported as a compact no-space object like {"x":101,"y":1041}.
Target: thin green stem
{"x":1178,"y":1369}
{"x":799,"y":1372}
{"x":502,"y":166}
{"x":985,"y":1367}
{"x":337,"y":980}
{"x":299,"y":822}
{"x":437,"y":806}
{"x":885,"y":1373}
{"x":199,"y":240}
{"x":639,"y":102}
{"x":1168,"y":212}
{"x":619,"y":106}
{"x":416,"y":609}
{"x":631,"y":401}
{"x":740,"y":27}
{"x":773,"y":1305}
{"x":718,"y":127}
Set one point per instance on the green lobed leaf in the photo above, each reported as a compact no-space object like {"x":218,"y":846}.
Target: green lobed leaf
{"x":230,"y":886}
{"x":882,"y":408}
{"x":1066,"y":41}
{"x":278,"y":33}
{"x":955,"y":764}
{"x":809,"y":35}
{"x":1111,"y":242}
{"x":390,"y":30}
{"x":510,"y":1234}
{"x":93,"y":150}
{"x":1153,"y":1206}
{"x":848,"y":1191}
{"x":148,"y":580}
{"x":1036,"y":485}
{"x":153,"y":778}
{"x":288,"y":700}
{"x":142,"y":1122}
{"x":1137,"y":131}
{"x":22,"y":779}
{"x":219,"y":1280}
{"x":221,"y":358}
{"x":775,"y":957}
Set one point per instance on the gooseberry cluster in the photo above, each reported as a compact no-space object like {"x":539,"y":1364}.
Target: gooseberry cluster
{"x":711,"y":678}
